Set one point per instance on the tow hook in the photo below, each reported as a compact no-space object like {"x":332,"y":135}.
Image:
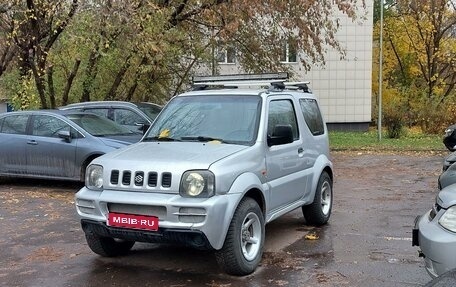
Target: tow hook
{"x":421,"y":254}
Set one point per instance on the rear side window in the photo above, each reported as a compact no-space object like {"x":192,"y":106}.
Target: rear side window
{"x":312,"y":116}
{"x":16,"y":124}
{"x":103,"y":112}
{"x":127,"y":117}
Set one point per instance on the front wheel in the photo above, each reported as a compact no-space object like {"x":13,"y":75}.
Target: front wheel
{"x":318,"y":212}
{"x":241,"y":253}
{"x":107,"y":246}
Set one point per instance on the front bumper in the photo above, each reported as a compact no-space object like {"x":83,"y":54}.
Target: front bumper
{"x":438,"y":245}
{"x":209,"y":217}
{"x":195,"y":239}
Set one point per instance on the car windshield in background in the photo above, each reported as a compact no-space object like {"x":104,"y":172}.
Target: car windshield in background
{"x":228,"y":119}
{"x":151,"y":111}
{"x":98,"y":126}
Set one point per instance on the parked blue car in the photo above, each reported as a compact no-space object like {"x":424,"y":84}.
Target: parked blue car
{"x":55,"y":144}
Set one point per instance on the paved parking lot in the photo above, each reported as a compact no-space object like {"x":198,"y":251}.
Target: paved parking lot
{"x":366,"y":243}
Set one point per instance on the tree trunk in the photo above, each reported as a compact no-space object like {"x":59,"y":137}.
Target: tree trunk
{"x":50,"y":75}
{"x":132,"y":89}
{"x":38,"y":73}
{"x":120,"y":75}
{"x":69,"y":83}
{"x":6,"y":58}
{"x":91,"y":74}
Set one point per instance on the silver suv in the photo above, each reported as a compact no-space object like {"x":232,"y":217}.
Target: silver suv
{"x":216,"y":165}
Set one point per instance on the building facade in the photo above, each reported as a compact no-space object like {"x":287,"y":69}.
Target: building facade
{"x":343,"y":86}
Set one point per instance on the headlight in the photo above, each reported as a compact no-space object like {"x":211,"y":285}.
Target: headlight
{"x":448,"y":219}
{"x":94,"y":177}
{"x":448,"y":132}
{"x":197,"y":183}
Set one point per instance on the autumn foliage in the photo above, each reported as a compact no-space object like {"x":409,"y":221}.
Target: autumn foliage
{"x":54,"y":52}
{"x":419,"y":68}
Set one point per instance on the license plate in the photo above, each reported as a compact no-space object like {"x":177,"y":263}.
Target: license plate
{"x":133,"y":221}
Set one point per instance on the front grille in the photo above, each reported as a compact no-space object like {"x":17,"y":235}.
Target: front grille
{"x":126,"y":178}
{"x":150,"y":210}
{"x":146,"y":179}
{"x":115,"y":177}
{"x":153,"y":177}
{"x":139,"y":178}
{"x":166,"y":179}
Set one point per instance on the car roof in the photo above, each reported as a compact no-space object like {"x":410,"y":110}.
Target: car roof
{"x":47,"y":112}
{"x":107,"y":103}
{"x":248,"y":92}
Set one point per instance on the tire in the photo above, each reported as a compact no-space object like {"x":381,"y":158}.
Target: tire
{"x":241,"y":253}
{"x":318,"y":212}
{"x":107,"y":246}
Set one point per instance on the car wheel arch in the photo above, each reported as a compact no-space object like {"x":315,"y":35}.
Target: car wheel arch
{"x":258,"y":196}
{"x":253,"y":191}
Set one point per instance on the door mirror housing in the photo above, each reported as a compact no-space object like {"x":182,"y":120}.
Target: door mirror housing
{"x":282,"y":134}
{"x":66,"y":135}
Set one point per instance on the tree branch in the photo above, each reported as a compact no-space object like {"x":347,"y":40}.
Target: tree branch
{"x":59,"y":29}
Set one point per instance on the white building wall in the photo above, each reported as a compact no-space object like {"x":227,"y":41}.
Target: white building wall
{"x":3,"y":107}
{"x":344,"y":87}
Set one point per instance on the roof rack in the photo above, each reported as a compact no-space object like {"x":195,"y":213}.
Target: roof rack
{"x":298,"y":86}
{"x":235,"y":80}
{"x":273,"y":80}
{"x":241,"y":77}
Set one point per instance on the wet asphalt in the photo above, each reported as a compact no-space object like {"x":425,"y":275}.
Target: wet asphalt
{"x":366,"y":243}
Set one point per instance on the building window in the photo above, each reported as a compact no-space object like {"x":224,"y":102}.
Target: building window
{"x":226,"y":56}
{"x":289,"y":54}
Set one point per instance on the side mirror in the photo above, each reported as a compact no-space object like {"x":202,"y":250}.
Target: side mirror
{"x":282,"y":134}
{"x":66,"y":135}
{"x":143,"y":127}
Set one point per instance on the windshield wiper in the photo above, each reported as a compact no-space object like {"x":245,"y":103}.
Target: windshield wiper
{"x":202,"y":139}
{"x":160,"y":139}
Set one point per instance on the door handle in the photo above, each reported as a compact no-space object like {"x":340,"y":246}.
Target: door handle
{"x":32,"y":142}
{"x":300,"y":150}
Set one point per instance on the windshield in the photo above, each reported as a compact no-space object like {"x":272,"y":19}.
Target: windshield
{"x":150,"y":110}
{"x":98,"y":126}
{"x":228,"y":119}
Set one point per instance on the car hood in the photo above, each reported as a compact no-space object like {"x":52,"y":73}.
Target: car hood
{"x":170,"y":155}
{"x":120,"y":141}
{"x":447,"y":196}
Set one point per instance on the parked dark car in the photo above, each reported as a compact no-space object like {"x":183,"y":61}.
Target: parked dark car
{"x":448,"y":175}
{"x":56,"y":144}
{"x":449,"y":160}
{"x":449,"y":139}
{"x":135,"y":116}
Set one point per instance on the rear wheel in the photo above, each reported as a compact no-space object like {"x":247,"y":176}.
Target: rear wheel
{"x":241,"y":253}
{"x":107,"y":246}
{"x":318,"y":212}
